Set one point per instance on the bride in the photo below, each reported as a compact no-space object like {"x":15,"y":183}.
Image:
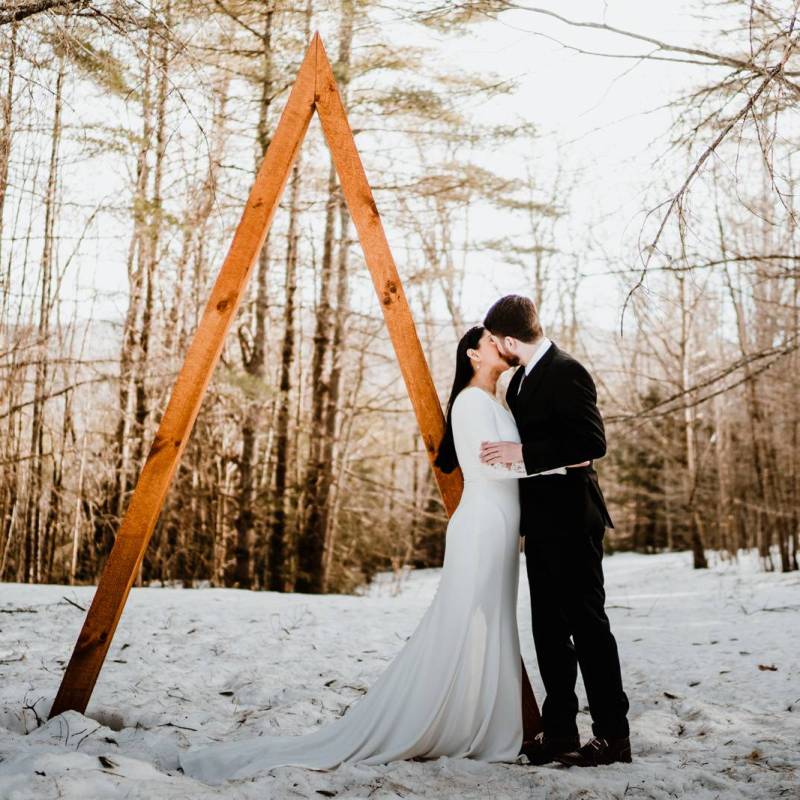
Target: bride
{"x":454,"y":689}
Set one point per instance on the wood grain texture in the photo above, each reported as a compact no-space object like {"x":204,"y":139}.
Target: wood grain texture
{"x":179,"y":417}
{"x":315,"y":89}
{"x":392,"y":298}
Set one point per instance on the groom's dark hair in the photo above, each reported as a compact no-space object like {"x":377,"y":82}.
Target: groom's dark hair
{"x":515,"y":316}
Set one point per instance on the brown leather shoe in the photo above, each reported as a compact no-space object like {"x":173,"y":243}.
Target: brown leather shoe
{"x":542,"y":751}
{"x":597,"y":752}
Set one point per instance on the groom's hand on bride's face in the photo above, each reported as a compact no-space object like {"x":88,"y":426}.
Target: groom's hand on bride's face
{"x":500,"y":452}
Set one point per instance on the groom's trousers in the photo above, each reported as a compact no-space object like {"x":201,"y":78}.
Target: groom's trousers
{"x":563,"y":553}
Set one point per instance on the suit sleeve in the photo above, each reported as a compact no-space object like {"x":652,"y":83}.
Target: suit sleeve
{"x":580,"y":434}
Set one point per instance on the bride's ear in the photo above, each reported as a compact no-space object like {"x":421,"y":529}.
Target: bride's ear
{"x":472,"y":355}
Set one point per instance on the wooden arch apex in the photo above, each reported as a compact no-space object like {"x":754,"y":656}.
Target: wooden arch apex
{"x":315,"y":89}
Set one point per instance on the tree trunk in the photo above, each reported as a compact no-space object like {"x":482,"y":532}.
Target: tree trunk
{"x":333,"y":454}
{"x":34,"y":545}
{"x":692,"y":471}
{"x":123,"y":481}
{"x":252,"y":345}
{"x":311,"y":547}
{"x":6,"y":107}
{"x":277,"y":556}
{"x":148,"y":249}
{"x":311,"y":542}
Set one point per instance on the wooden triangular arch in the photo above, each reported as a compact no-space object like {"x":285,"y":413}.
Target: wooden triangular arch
{"x":315,"y":89}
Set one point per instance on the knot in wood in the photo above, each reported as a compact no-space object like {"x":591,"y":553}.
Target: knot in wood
{"x":389,"y":293}
{"x":223,"y":304}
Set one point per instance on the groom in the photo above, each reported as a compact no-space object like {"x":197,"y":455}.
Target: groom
{"x":563,"y":520}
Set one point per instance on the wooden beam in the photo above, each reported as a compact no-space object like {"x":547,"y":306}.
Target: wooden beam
{"x":176,"y":425}
{"x":315,"y":88}
{"x":389,"y":288}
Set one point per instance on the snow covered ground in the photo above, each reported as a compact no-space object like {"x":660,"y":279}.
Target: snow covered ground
{"x":711,"y":662}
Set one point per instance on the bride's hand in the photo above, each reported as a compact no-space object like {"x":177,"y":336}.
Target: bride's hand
{"x":582,"y":464}
{"x":500,"y":452}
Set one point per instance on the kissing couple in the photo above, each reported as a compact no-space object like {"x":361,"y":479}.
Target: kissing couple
{"x":455,"y":687}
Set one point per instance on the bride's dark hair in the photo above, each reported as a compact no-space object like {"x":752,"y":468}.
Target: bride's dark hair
{"x":446,"y":459}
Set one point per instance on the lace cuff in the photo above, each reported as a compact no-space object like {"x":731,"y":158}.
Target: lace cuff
{"x":518,"y":467}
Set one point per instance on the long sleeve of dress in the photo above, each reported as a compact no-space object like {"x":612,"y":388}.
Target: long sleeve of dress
{"x":475,"y":420}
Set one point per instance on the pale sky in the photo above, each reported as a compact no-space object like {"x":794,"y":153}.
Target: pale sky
{"x":602,"y":113}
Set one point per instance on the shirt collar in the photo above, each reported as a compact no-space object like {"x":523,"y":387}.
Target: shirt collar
{"x":537,"y":354}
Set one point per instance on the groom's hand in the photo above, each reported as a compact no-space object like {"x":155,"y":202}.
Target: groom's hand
{"x":501,"y":452}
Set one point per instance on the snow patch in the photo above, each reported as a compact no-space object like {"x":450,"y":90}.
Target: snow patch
{"x":710,"y":661}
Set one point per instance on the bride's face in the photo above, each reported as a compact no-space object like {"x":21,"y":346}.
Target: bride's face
{"x":490,"y":358}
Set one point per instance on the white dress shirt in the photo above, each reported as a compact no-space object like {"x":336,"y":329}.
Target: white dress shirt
{"x":543,"y":347}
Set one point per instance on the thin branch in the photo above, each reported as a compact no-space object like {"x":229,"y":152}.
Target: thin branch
{"x":16,"y":11}
{"x":676,"y":199}
{"x":779,"y":352}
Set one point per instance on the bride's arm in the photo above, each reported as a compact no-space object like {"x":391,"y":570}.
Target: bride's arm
{"x":475,"y":422}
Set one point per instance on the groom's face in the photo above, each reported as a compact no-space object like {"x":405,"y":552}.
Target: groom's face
{"x":501,"y":343}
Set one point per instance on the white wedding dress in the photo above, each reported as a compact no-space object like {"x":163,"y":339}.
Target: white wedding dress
{"x":454,"y":689}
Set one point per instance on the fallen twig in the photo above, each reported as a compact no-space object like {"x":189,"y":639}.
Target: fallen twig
{"x":73,"y":603}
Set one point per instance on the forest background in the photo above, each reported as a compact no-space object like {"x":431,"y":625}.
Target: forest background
{"x":632,"y":169}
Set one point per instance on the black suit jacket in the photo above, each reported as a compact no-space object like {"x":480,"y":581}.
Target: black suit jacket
{"x":559,"y":423}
